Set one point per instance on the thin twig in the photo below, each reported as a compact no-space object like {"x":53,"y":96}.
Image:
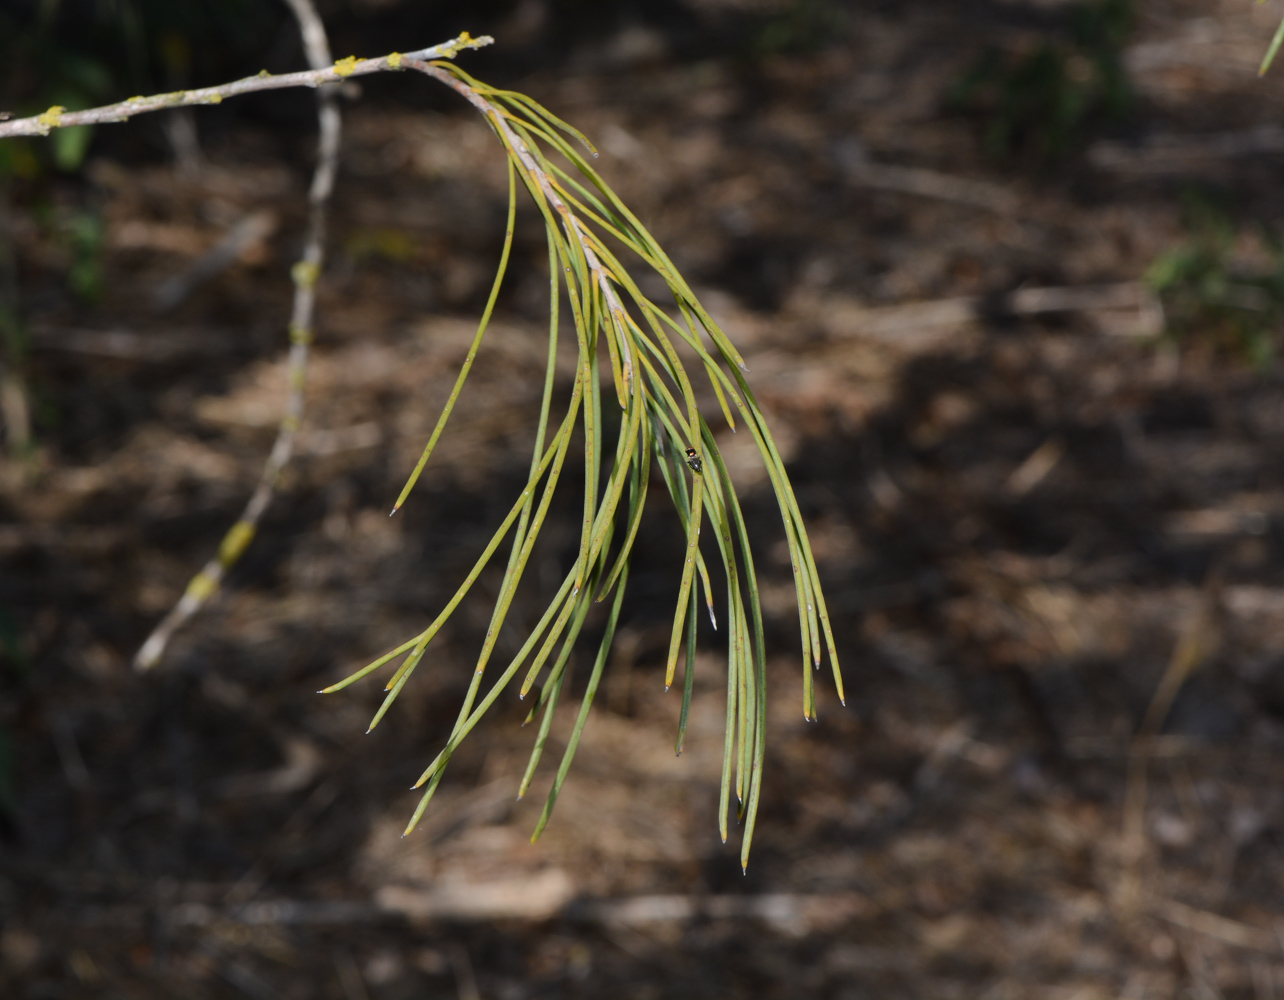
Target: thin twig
{"x":1195,"y":646}
{"x":57,"y":117}
{"x":305,"y":274}
{"x":1213,"y":925}
{"x":255,"y":226}
{"x":1036,"y":467}
{"x":129,"y":345}
{"x":920,"y":324}
{"x":552,"y":894}
{"x":1175,"y":154}
{"x":933,"y":184}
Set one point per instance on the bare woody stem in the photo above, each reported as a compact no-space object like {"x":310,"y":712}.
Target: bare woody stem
{"x":205,"y":584}
{"x":58,"y":117}
{"x":305,"y":273}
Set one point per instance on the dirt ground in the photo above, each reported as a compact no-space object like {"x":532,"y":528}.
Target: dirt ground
{"x":1035,"y":523}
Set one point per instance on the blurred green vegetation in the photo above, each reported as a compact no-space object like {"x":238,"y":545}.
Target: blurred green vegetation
{"x":1040,"y":102}
{"x":1213,"y":291}
{"x":83,"y":231}
{"x":79,"y":53}
{"x":802,"y":26}
{"x":392,"y":245}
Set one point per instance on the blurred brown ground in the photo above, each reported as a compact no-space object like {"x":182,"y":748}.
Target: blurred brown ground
{"x":1017,"y":519}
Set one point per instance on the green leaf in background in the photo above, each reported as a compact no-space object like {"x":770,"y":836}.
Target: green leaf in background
{"x":1274,"y":47}
{"x":1214,"y":295}
{"x":1042,"y":100}
{"x":18,"y":159}
{"x":85,"y":233}
{"x":70,"y":146}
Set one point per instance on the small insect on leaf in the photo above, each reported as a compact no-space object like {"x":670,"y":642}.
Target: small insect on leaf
{"x":693,"y":460}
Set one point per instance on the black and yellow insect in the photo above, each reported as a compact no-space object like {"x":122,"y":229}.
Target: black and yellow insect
{"x":693,"y":460}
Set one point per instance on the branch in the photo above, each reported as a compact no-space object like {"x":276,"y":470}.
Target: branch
{"x":205,"y":584}
{"x":573,"y":226}
{"x":662,"y":415}
{"x":59,"y":117}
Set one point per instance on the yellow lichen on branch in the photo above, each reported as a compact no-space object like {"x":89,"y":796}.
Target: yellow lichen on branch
{"x":235,"y":542}
{"x":51,"y":119}
{"x":305,"y":274}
